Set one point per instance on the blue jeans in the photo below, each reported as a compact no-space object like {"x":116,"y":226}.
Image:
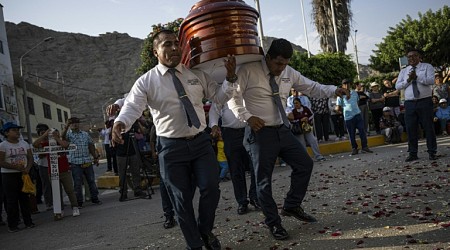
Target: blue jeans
{"x":356,"y":123}
{"x":77,"y":174}
{"x":239,"y":161}
{"x":420,"y":111}
{"x":265,"y":146}
{"x":185,"y":164}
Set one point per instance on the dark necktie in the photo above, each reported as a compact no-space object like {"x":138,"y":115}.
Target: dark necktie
{"x":277,"y":99}
{"x":190,"y":111}
{"x":416,"y":91}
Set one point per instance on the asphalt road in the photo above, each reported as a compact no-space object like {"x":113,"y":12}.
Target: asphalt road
{"x":367,"y":201}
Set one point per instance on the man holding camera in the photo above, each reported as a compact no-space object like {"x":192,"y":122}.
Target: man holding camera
{"x":80,"y":159}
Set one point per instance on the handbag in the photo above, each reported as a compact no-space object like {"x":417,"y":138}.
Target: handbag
{"x":296,"y":128}
{"x":28,"y":185}
{"x":306,"y":127}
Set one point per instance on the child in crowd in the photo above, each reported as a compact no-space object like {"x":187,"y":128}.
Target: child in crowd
{"x":221,"y":158}
{"x":390,"y":127}
{"x":16,"y":159}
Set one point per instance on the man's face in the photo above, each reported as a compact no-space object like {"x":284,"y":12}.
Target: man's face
{"x":413,"y":58}
{"x":344,"y":86}
{"x":74,"y":125}
{"x":387,"y":84}
{"x":168,"y":50}
{"x":276,"y":65}
{"x":443,"y":105}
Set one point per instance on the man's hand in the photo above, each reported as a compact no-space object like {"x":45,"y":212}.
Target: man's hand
{"x":256,"y":123}
{"x":112,"y":109}
{"x":230,"y":65}
{"x":412,"y":76}
{"x":215,"y":131}
{"x":117,"y":130}
{"x":341,"y":92}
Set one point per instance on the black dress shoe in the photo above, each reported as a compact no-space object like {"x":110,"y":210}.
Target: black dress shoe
{"x":211,"y":241}
{"x":432,"y":157}
{"x":411,"y":157}
{"x":255,"y":203}
{"x":242,"y":209}
{"x":298,"y":213}
{"x":169,"y":223}
{"x":278,"y":232}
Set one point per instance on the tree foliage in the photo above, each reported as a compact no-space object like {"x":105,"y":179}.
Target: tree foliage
{"x":430,"y":33}
{"x":323,"y":19}
{"x":148,"y":59}
{"x":326,"y":68}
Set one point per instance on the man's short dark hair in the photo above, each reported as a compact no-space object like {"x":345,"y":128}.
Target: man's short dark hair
{"x":280,"y":47}
{"x":419,"y":51}
{"x":156,"y":36}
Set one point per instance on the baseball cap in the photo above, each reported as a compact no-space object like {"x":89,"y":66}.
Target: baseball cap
{"x":442,"y":101}
{"x":10,"y":125}
{"x":386,"y":109}
{"x":347,"y":81}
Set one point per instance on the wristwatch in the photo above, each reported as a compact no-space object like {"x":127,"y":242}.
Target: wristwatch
{"x":232,"y":79}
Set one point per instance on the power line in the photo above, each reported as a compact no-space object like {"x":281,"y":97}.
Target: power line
{"x":69,"y":86}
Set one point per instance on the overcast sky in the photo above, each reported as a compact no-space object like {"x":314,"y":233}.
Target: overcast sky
{"x":281,"y":18}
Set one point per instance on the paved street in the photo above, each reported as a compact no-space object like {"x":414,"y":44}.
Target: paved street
{"x":368,"y":201}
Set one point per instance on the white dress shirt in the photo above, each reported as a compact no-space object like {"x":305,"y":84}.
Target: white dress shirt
{"x":425,"y":80}
{"x":156,"y":89}
{"x":254,"y":88}
{"x":229,"y":120}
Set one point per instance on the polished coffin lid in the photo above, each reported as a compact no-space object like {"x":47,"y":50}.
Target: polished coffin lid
{"x":214,"y":29}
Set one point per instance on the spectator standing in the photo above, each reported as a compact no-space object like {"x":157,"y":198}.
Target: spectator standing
{"x":295,"y":94}
{"x":440,"y":89}
{"x":376,"y":105}
{"x":16,"y":159}
{"x":111,"y":160}
{"x":239,"y":161}
{"x":437,"y":126}
{"x":337,"y":118}
{"x":174,"y":94}
{"x":129,"y":161}
{"x":390,"y":127}
{"x":319,"y":107}
{"x":362,"y":104}
{"x":391,"y":97}
{"x":265,"y":86}
{"x":417,"y":79}
{"x":43,"y":171}
{"x":80,"y":160}
{"x":65,"y":176}
{"x":443,"y":115}
{"x":353,"y":118}
{"x":303,"y":115}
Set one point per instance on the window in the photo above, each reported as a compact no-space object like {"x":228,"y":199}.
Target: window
{"x":58,"y":112}
{"x":31,"y":106}
{"x":66,"y":116}
{"x":47,"y":111}
{"x":1,"y":47}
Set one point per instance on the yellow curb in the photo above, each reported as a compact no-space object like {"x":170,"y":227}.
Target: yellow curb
{"x":107,"y":181}
{"x":345,"y":146}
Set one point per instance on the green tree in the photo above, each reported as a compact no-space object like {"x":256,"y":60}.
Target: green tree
{"x":148,"y":59}
{"x":326,"y":68}
{"x":323,"y":20}
{"x":430,"y":33}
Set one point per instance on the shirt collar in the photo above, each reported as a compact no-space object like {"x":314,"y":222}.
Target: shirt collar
{"x":163,"y":69}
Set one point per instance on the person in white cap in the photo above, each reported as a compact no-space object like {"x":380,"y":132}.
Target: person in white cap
{"x":443,"y":115}
{"x":390,"y":127}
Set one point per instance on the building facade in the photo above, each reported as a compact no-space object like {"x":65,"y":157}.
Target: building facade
{"x":8,"y":97}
